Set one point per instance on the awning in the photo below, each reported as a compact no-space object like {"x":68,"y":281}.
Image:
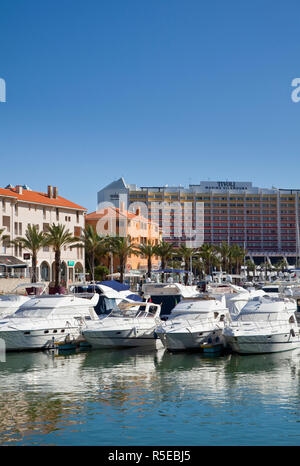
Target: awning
{"x":12,"y":262}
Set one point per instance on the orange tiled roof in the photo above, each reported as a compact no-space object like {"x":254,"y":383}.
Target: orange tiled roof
{"x":39,"y":198}
{"x":101,"y":213}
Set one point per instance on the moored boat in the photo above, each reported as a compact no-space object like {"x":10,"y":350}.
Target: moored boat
{"x":265,"y":325}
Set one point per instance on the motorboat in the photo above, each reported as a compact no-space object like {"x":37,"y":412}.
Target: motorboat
{"x":111,"y":294}
{"x":168,"y":295}
{"x":45,"y":320}
{"x":10,"y":303}
{"x":236,"y":302}
{"x":131,"y":325}
{"x":194,"y":322}
{"x":266,"y":324}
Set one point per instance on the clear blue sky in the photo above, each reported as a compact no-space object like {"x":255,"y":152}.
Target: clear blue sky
{"x":159,"y":91}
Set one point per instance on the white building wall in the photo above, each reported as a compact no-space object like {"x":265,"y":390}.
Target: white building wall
{"x":22,"y":214}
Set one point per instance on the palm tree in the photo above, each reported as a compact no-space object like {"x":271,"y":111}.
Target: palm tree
{"x":207,"y":253}
{"x":148,"y":250}
{"x":186,"y":255}
{"x":237,"y":255}
{"x":3,"y":238}
{"x":33,"y":242}
{"x":165,"y":251}
{"x":250,"y":268}
{"x":122,"y":247}
{"x":224,"y":251}
{"x":57,"y":237}
{"x":95,"y":247}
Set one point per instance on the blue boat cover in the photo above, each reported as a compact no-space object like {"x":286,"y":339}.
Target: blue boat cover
{"x":134,"y":297}
{"x":117,"y":286}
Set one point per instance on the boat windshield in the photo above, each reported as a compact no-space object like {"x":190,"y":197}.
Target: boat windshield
{"x":132,"y":311}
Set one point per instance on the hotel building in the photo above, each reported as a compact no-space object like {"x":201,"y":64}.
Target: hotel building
{"x":20,"y":207}
{"x":263,"y":221}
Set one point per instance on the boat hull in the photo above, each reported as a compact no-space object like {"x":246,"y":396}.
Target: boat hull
{"x":261,"y":344}
{"x":18,"y":340}
{"x":121,"y":339}
{"x":186,"y":340}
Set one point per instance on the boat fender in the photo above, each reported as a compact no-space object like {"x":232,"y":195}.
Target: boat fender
{"x":292,"y":332}
{"x":155,"y":335}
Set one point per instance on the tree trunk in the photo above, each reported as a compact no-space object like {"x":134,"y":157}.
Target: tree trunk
{"x":149,"y":267}
{"x":57,"y":270}
{"x":33,"y":267}
{"x":122,"y":269}
{"x":163,"y":267}
{"x":186,"y":275}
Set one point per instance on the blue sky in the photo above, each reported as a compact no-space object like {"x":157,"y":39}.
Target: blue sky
{"x":160,"y":92}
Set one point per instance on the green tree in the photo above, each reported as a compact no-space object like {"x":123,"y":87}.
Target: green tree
{"x":101,"y":271}
{"x":165,"y":251}
{"x":207,"y":252}
{"x":96,"y":247}
{"x":237,"y":254}
{"x":32,"y":242}
{"x":250,"y":268}
{"x":122,"y":247}
{"x":57,"y":237}
{"x":224,"y":252}
{"x":148,"y":250}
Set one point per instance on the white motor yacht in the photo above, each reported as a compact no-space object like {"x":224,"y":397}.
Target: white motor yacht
{"x":45,"y":320}
{"x":131,"y":325}
{"x":265,"y":325}
{"x":193,"y":322}
{"x":10,"y":303}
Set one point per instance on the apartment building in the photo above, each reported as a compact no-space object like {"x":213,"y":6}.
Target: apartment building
{"x":120,"y":222}
{"x":265,"y":221}
{"x":20,"y":206}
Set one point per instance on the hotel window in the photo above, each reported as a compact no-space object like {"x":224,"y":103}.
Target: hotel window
{"x":77,"y":216}
{"x":16,"y":209}
{"x":44,"y":213}
{"x":57,"y":214}
{"x":20,"y":228}
{"x":3,"y":205}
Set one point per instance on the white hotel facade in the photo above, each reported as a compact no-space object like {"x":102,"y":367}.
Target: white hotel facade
{"x":21,"y":206}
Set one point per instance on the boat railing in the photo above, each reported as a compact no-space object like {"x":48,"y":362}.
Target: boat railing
{"x":260,"y":324}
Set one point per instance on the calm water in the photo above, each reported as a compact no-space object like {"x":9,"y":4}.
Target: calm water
{"x":143,"y":398}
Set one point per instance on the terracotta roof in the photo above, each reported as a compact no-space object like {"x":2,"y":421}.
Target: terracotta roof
{"x":39,"y":198}
{"x":101,"y":213}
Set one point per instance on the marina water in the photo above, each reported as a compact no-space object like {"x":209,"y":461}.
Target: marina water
{"x":133,"y":397}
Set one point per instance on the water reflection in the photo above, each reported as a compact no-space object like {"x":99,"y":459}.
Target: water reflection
{"x":47,"y":398}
